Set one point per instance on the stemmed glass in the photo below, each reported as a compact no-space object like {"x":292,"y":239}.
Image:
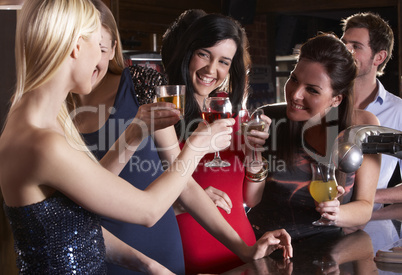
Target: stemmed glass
{"x":323,"y":187}
{"x":216,"y":108}
{"x":253,"y":123}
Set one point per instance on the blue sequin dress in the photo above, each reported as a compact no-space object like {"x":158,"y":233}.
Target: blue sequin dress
{"x":56,"y":236}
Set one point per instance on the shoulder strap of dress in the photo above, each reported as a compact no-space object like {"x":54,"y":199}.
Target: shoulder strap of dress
{"x":145,"y":80}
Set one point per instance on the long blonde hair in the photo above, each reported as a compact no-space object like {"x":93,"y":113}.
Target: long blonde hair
{"x":47,"y":31}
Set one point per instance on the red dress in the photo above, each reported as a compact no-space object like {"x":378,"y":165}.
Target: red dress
{"x":202,"y":252}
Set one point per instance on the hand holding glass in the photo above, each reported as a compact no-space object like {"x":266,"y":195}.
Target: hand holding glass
{"x":323,"y":187}
{"x":253,"y":123}
{"x":172,"y":94}
{"x":216,"y":108}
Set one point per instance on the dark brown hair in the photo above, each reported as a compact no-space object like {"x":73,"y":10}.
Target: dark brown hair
{"x":339,"y":63}
{"x":206,"y":32}
{"x":173,"y":34}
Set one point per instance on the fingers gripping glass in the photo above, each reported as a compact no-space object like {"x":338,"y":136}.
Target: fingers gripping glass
{"x":323,"y":187}
{"x":253,"y":122}
{"x":216,"y":108}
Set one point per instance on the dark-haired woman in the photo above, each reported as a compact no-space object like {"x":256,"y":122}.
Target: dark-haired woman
{"x":211,"y":58}
{"x":319,"y":95}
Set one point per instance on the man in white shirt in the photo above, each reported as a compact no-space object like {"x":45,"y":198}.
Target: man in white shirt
{"x":371,"y":39}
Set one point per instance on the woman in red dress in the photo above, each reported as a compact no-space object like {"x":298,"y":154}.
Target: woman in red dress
{"x":212,"y":60}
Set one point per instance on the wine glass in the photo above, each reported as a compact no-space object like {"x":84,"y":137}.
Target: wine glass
{"x":253,"y":123}
{"x":216,"y":108}
{"x":323,"y":187}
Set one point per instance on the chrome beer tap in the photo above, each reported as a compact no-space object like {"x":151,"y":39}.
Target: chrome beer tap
{"x":355,"y":141}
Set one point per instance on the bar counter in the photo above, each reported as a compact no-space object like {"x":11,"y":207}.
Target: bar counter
{"x":334,"y":253}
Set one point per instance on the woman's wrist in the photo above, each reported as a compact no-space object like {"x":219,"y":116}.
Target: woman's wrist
{"x":257,"y":173}
{"x":195,"y":147}
{"x":246,"y":253}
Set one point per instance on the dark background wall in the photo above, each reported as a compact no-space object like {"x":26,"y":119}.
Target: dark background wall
{"x":8,"y":20}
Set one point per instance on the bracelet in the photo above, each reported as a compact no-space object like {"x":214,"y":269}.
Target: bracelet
{"x":257,"y":179}
{"x":260,"y":175}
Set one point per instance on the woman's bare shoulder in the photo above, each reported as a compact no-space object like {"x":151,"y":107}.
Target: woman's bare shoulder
{"x":25,"y":158}
{"x":28,"y":151}
{"x":363,"y":117}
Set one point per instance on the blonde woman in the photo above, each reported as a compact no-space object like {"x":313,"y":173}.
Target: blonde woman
{"x":52,"y":186}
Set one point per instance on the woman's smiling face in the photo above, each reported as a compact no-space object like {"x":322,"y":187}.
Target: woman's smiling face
{"x":108,"y":48}
{"x":209,"y":67}
{"x":308,"y":91}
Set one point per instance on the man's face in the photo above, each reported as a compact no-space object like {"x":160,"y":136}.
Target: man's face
{"x":357,"y":41}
